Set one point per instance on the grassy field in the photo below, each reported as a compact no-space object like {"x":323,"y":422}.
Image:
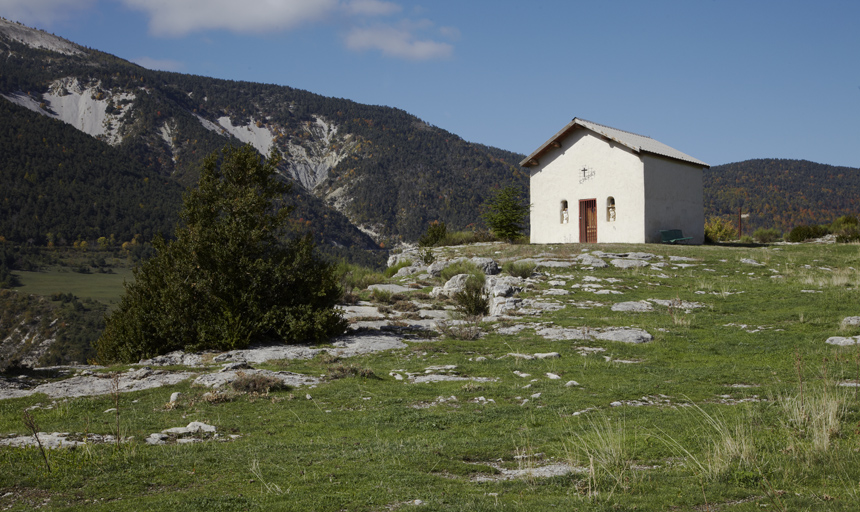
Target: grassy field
{"x":734,"y":405}
{"x":105,"y":288}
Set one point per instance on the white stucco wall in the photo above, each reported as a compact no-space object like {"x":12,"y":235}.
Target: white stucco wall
{"x":618,"y":173}
{"x":674,"y":198}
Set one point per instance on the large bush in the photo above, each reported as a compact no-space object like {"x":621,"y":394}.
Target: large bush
{"x":232,"y":276}
{"x":803,"y":232}
{"x":846,"y":229}
{"x":718,"y":230}
{"x":766,"y":235}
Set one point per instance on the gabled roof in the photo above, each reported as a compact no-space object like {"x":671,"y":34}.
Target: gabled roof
{"x":635,"y":142}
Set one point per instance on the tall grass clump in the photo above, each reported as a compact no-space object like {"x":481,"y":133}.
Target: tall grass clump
{"x":603,"y":450}
{"x":814,"y":417}
{"x":465,"y":238}
{"x":523,"y":270}
{"x":353,"y":278}
{"x":461,"y":267}
{"x":729,"y":447}
{"x":472,"y":301}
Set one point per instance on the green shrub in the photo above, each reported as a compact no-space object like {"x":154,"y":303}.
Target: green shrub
{"x":425,"y":254}
{"x":472,"y":301}
{"x":461,"y":267}
{"x":356,"y":277}
{"x":766,"y":235}
{"x":233,"y":275}
{"x":380,"y":295}
{"x":846,"y":221}
{"x":466,"y":238}
{"x":435,"y":233}
{"x":846,"y":229}
{"x":718,"y":230}
{"x":523,"y":270}
{"x":256,"y":383}
{"x":342,"y":371}
{"x":804,"y":232}
{"x":848,"y":234}
{"x":393,"y":269}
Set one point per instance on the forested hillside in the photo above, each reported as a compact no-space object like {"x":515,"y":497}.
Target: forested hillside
{"x":379,"y":169}
{"x":780,"y":193}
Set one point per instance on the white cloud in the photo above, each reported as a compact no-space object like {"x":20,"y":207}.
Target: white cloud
{"x":452,"y":33}
{"x":159,"y":64}
{"x":396,"y":42}
{"x":45,"y":12}
{"x":181,"y":17}
{"x":176,"y":18}
{"x":370,"y":8}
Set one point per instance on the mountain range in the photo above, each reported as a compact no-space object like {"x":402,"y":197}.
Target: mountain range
{"x":96,"y":146}
{"x":364,"y":176}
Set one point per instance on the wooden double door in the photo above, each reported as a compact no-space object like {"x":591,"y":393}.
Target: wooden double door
{"x":588,"y":221}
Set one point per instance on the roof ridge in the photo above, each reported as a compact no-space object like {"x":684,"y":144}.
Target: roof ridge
{"x":613,"y":128}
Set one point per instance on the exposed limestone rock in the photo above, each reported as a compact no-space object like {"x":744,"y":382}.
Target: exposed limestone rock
{"x":454,"y":285}
{"x":221,"y":379}
{"x":488,"y":265}
{"x":54,"y":440}
{"x":503,"y":286}
{"x":101,"y":384}
{"x":635,"y":307}
{"x":590,"y":260}
{"x":625,"y":335}
{"x":393,"y":288}
{"x":176,"y":358}
{"x":192,"y":428}
{"x":843,"y":341}
{"x":850,"y":321}
{"x":752,"y":262}
{"x":409,"y":254}
{"x":678,"y":304}
{"x":620,"y":263}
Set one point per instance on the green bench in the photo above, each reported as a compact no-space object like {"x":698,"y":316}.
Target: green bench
{"x":672,"y":236}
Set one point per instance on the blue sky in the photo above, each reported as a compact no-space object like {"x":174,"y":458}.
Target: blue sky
{"x":723,"y":81}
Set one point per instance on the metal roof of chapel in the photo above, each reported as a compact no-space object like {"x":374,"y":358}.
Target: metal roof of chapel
{"x":633,"y":141}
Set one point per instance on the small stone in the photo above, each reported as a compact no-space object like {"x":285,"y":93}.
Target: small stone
{"x":843,"y":341}
{"x":571,"y":383}
{"x":547,"y":355}
{"x":536,"y":395}
{"x":619,"y":263}
{"x":175,"y":396}
{"x":634,"y":306}
{"x":851,"y":321}
{"x":552,"y":376}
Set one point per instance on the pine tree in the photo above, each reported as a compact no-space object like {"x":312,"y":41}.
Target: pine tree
{"x":505,"y":214}
{"x":231,"y":276}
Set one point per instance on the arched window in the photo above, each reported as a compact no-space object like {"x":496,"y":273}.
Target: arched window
{"x":564,"y":214}
{"x":610,"y":209}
